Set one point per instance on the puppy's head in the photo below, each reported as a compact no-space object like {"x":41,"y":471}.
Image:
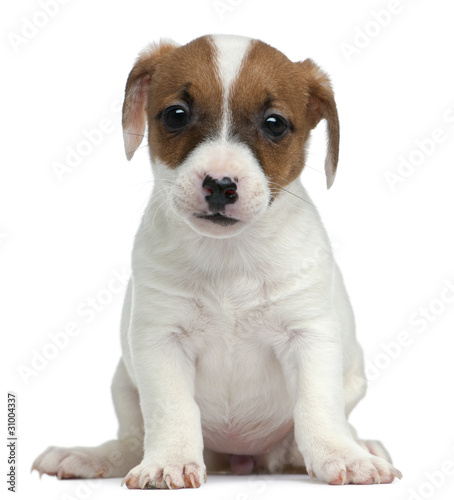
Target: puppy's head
{"x":228,"y":120}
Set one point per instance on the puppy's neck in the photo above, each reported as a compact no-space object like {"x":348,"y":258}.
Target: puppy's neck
{"x":166,"y":237}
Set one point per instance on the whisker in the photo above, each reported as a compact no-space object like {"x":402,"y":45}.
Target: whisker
{"x":316,"y":169}
{"x":152,"y":181}
{"x":171,"y":208}
{"x":151,"y":200}
{"x":299,"y":197}
{"x":132,"y":133}
{"x":157,"y":198}
{"x":157,"y":210}
{"x":132,"y":152}
{"x":293,"y":194}
{"x":291,"y":201}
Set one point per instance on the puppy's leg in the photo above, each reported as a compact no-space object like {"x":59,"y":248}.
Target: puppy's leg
{"x":355,"y":384}
{"x":313,"y":363}
{"x":111,"y":459}
{"x":283,"y":457}
{"x":164,"y":370}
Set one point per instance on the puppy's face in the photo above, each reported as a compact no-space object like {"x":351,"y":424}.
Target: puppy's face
{"x":228,"y":120}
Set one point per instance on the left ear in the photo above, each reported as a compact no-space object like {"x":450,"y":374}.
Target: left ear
{"x":321,"y":104}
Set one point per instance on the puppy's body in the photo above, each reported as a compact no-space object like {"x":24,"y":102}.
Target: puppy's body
{"x":234,"y":303}
{"x":239,"y":350}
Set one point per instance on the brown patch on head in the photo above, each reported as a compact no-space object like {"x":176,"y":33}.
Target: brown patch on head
{"x":189,"y":76}
{"x":270,"y":84}
{"x":185,"y":76}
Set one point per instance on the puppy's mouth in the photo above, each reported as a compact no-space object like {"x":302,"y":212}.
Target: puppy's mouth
{"x":219,"y":219}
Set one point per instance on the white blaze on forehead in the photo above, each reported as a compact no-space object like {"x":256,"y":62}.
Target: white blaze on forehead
{"x":230,"y":52}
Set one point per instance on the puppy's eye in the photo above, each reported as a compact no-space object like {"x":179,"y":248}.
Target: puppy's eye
{"x":275,"y":126}
{"x":175,"y":118}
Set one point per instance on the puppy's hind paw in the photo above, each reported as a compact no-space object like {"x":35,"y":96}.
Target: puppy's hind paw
{"x":356,"y":468}
{"x":71,"y":463}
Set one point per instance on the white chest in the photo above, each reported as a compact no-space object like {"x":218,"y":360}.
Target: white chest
{"x":239,"y":387}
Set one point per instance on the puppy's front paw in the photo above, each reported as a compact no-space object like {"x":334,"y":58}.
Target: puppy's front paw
{"x":354,"y":467}
{"x":172,"y":476}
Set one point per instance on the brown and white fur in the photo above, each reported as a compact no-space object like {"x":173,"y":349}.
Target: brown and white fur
{"x":238,"y":340}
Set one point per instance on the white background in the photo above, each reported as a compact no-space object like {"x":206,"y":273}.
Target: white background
{"x":61,"y":240}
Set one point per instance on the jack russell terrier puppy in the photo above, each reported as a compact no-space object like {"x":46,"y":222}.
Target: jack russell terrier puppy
{"x":238,"y":338}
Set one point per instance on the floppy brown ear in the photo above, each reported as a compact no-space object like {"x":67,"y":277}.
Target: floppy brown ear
{"x":136,"y":94}
{"x":321,"y":105}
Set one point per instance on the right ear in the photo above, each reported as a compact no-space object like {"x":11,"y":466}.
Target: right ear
{"x":136,"y":94}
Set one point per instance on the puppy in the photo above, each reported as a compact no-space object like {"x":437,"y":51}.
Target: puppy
{"x":238,"y":341}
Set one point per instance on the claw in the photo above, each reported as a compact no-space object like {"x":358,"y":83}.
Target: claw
{"x":397,"y":473}
{"x":59,"y":473}
{"x":192,"y":479}
{"x":168,"y":481}
{"x":123,"y":481}
{"x":376,"y":479}
{"x":343,"y":476}
{"x":205,"y":477}
{"x":100,"y":474}
{"x":143,"y":482}
{"x":311,"y":474}
{"x":40,"y":472}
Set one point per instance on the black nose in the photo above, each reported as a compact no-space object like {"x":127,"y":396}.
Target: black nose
{"x":221,"y":192}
